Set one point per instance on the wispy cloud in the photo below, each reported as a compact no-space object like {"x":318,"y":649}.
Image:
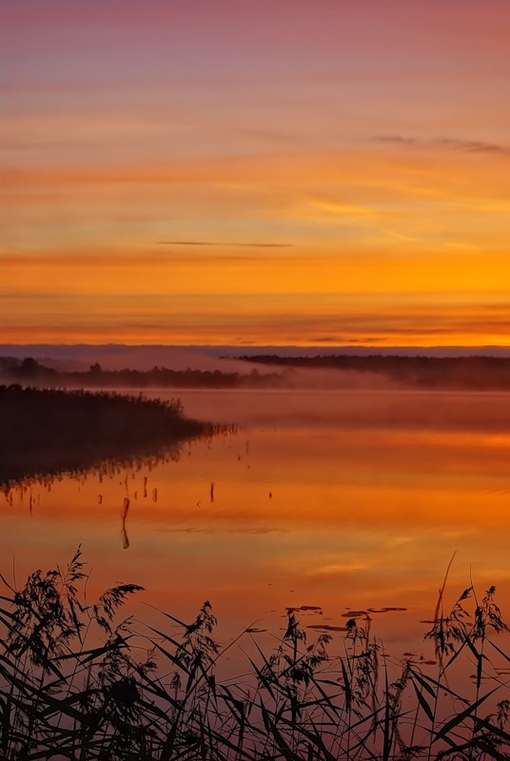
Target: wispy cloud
{"x":467,"y":146}
{"x":473,"y":146}
{"x":338,"y":339}
{"x":399,"y":139}
{"x":240,"y":244}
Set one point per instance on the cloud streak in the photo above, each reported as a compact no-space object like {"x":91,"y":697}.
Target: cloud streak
{"x":467,"y":146}
{"x":240,"y":244}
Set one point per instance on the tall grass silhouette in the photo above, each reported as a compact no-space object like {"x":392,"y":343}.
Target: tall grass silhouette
{"x":48,"y":431}
{"x":80,"y":681}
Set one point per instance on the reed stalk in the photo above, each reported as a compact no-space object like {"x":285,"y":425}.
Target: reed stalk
{"x":78,"y":681}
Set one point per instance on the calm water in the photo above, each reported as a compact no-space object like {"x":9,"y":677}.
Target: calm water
{"x":338,"y":500}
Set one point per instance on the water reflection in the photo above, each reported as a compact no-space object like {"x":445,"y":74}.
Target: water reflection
{"x":331,"y":505}
{"x":125,"y":538}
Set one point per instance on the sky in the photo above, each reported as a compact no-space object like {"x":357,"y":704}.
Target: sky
{"x":305,"y":172}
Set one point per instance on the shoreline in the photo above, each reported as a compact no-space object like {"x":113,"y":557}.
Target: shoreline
{"x":46,"y":432}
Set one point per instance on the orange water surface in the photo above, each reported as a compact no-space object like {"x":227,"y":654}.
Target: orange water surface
{"x":339,"y":501}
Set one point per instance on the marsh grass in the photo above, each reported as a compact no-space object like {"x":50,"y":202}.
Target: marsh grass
{"x":78,"y":681}
{"x":49,"y":431}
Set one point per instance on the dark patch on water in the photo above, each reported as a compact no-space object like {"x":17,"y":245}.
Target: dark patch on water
{"x":305,"y":608}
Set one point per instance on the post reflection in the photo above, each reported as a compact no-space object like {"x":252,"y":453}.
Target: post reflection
{"x":329,"y":516}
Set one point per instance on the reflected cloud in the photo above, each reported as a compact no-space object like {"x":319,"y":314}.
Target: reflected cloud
{"x":333,"y":569}
{"x":223,"y":530}
{"x":259,"y":530}
{"x":343,"y":468}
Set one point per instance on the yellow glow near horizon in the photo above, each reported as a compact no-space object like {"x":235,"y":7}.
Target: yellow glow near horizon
{"x":239,"y":298}
{"x":346,"y":192}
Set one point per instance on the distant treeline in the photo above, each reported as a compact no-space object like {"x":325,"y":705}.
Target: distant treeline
{"x":476,"y":373}
{"x":50,"y":431}
{"x":31,"y":371}
{"x":462,"y":373}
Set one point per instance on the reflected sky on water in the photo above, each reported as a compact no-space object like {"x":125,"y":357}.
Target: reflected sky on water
{"x":333,"y":500}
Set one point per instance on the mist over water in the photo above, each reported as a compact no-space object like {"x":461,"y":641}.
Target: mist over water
{"x":365,"y":406}
{"x":338,"y":500}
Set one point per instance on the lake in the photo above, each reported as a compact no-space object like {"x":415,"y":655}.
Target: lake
{"x":330,"y":501}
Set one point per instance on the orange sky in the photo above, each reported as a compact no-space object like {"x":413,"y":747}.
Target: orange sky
{"x":315,"y":173}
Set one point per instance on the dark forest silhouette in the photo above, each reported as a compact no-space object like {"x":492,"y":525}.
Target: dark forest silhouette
{"x":470,"y":372}
{"x":462,"y":373}
{"x":33,"y":372}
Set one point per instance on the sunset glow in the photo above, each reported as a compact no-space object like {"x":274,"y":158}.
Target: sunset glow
{"x":303,"y":173}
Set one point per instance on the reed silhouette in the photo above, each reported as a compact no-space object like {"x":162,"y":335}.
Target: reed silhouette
{"x":48,"y":431}
{"x":78,"y":681}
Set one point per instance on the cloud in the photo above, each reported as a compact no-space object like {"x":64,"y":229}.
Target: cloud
{"x":325,"y":339}
{"x":399,"y":139}
{"x":467,"y":146}
{"x":337,"y":340}
{"x":472,"y":146}
{"x":241,"y":244}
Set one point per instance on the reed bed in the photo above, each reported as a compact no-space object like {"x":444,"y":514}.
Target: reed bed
{"x":80,"y":681}
{"x":49,"y":431}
